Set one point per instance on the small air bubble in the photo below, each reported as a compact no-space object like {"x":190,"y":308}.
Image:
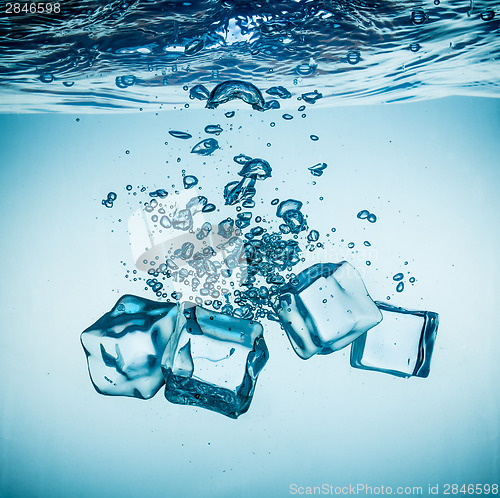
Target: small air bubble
{"x":418,"y":17}
{"x":488,"y":15}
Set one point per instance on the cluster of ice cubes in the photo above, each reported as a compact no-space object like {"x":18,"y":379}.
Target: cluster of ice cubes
{"x":202,"y":357}
{"x":212,"y":360}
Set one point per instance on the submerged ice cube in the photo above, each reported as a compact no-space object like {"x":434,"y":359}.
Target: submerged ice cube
{"x":213,"y":360}
{"x":124,"y":348}
{"x":326,"y":309}
{"x":401,"y":345}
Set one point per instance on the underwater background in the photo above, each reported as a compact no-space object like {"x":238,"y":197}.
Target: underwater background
{"x":407,"y":124}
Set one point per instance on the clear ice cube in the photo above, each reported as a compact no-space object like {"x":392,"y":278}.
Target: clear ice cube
{"x":325,"y":309}
{"x":400,"y":345}
{"x":212,"y":360}
{"x":124,"y":347}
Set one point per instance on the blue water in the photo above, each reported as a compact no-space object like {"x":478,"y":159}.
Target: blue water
{"x":105,"y":124}
{"x":124,"y":55}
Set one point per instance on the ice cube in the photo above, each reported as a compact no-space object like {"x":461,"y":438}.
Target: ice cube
{"x":325,"y":309}
{"x":212,"y":360}
{"x":401,"y":345}
{"x":124,"y":348}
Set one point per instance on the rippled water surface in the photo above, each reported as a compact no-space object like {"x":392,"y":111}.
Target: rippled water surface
{"x":123,"y":54}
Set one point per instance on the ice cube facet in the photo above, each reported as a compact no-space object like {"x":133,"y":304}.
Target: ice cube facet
{"x":400,"y":345}
{"x":326,"y":309}
{"x":212,"y":360}
{"x":124,"y":348}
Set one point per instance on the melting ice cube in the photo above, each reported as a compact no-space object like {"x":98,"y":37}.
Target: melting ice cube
{"x":213,"y":360}
{"x":326,"y":309}
{"x":401,"y":345}
{"x":124,"y":348}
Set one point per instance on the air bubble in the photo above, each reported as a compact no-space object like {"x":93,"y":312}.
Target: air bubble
{"x":279,"y":91}
{"x":311,"y":97}
{"x":46,"y":78}
{"x":189,"y":181}
{"x":205,"y":147}
{"x":213,"y":129}
{"x":230,"y":90}
{"x":305,"y":70}
{"x":353,"y":58}
{"x":183,"y":135}
{"x":199,"y":92}
{"x":418,"y":17}
{"x":488,"y":15}
{"x":208,"y":208}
